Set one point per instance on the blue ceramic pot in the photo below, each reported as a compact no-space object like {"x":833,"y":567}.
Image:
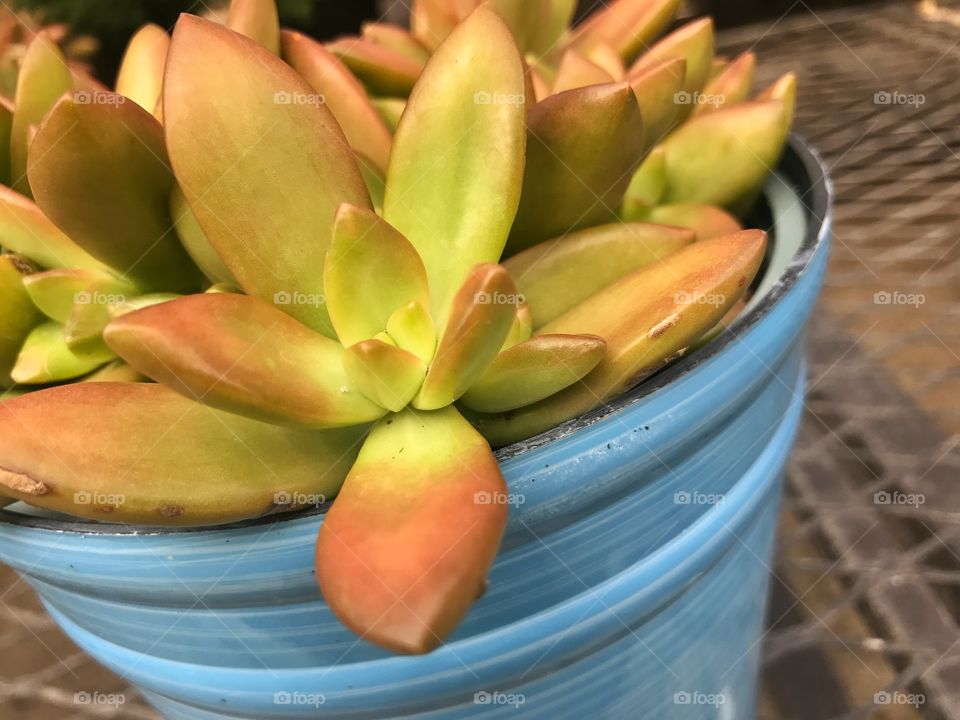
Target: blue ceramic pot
{"x":631,"y":583}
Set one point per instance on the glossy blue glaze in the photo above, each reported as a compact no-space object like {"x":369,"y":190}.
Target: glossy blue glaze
{"x":611,"y":597}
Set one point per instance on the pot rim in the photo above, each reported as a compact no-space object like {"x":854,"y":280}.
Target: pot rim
{"x":800,"y":162}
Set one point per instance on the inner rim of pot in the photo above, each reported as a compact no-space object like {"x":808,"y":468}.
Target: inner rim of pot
{"x":800,"y":164}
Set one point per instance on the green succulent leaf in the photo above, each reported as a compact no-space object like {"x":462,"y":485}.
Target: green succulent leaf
{"x":396,"y":39}
{"x":657,"y":88}
{"x":705,"y":221}
{"x":27,"y":231}
{"x":411,"y":328}
{"x":576,"y":71}
{"x":628,"y":26}
{"x":6,"y":129}
{"x":116,"y":371}
{"x":646,"y":319}
{"x":239,"y":354}
{"x":257,"y":20}
{"x":432,"y":21}
{"x":537,"y":25}
{"x":456,"y":206}
{"x":365,"y":130}
{"x":385,"y":374}
{"x":161,"y":459}
{"x":238,"y":122}
{"x":582,"y":150}
{"x":45,"y":358}
{"x":406,"y":548}
{"x":646,"y":188}
{"x":195,"y":242}
{"x":785,"y":90}
{"x":723,"y":157}
{"x":522,"y":328}
{"x":382,"y":70}
{"x":559,"y":274}
{"x":534,"y":370}
{"x":481,"y":316}
{"x":18,"y":315}
{"x":692,"y":43}
{"x":91,"y":312}
{"x":391,"y":110}
{"x":371,"y":270}
{"x":141,"y":70}
{"x":55,"y":292}
{"x":44,"y":77}
{"x":731,"y":86}
{"x":100,"y":172}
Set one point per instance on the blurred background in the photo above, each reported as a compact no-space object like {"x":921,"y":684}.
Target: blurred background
{"x":866,"y":598}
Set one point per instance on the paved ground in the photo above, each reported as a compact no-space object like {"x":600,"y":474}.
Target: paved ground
{"x":858,"y":581}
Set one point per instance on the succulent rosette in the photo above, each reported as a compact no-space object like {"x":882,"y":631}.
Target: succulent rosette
{"x":403,"y":300}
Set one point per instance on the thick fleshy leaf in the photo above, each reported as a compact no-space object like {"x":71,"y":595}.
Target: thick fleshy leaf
{"x":717,"y":66}
{"x":785,"y":90}
{"x":534,"y":370}
{"x":83,"y":332}
{"x":538,"y":25}
{"x":141,"y":71}
{"x":370,"y":272}
{"x":628,"y":26}
{"x":391,"y":110}
{"x":273,"y":236}
{"x":646,"y":187}
{"x":607,"y":58}
{"x":693,"y":43}
{"x":583,"y":148}
{"x":194,"y":241}
{"x":406,"y":548}
{"x":55,"y":292}
{"x":18,"y":315}
{"x":397,"y":39}
{"x":559,"y":274}
{"x":411,"y":328}
{"x":6,"y":128}
{"x":257,"y":20}
{"x":43,"y":78}
{"x":160,"y":459}
{"x":375,"y":180}
{"x":479,"y":322}
{"x":646,"y":318}
{"x":385,"y":374}
{"x":99,"y":171}
{"x":730,"y":87}
{"x":25,"y":230}
{"x":522,"y":328}
{"x":722,"y":157}
{"x":139,"y":303}
{"x":238,"y":353}
{"x":576,"y":71}
{"x":705,"y":221}
{"x":45,"y":358}
{"x":381,"y":70}
{"x":457,"y":163}
{"x":116,"y":371}
{"x":656,"y":89}
{"x":365,"y":130}
{"x":431,"y":21}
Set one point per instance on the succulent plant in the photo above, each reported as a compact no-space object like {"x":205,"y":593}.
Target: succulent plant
{"x":388,"y":304}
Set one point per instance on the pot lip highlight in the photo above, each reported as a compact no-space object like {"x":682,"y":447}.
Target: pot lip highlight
{"x":800,"y":164}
